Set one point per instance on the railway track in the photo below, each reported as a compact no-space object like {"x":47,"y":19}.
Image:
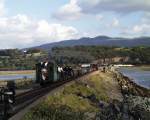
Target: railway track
{"x":25,"y":99}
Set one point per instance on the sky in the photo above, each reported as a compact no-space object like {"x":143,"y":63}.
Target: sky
{"x":26,"y":23}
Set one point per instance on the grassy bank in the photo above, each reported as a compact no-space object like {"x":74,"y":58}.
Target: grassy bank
{"x":79,"y":101}
{"x":20,"y":83}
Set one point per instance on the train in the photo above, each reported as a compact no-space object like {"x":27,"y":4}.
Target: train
{"x":50,"y":72}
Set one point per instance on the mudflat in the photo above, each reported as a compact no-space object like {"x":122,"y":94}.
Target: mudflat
{"x":17,"y":72}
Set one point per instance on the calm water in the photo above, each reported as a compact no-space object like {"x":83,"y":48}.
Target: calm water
{"x":14,"y":77}
{"x":141,"y":77}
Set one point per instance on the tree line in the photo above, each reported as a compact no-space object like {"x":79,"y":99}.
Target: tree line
{"x":84,"y":54}
{"x":15,"y":59}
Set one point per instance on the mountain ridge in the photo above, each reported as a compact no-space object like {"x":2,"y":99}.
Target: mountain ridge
{"x":99,"y":40}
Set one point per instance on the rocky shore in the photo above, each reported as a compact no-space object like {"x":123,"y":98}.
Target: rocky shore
{"x":130,"y":87}
{"x":135,"y":104}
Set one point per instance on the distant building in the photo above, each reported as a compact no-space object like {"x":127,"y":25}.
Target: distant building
{"x":34,"y":54}
{"x":113,"y":60}
{"x":120,"y":59}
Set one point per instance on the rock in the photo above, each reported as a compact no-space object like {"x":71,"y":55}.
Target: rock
{"x":102,"y":104}
{"x":93,"y":98}
{"x":90,"y":116}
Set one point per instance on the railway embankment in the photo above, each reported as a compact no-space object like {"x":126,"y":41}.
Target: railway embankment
{"x":98,"y":96}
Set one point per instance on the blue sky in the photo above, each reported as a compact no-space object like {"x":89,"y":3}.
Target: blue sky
{"x":25,"y":23}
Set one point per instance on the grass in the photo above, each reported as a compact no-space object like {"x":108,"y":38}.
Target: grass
{"x":72,"y":101}
{"x":45,"y":112}
{"x":61,"y":107}
{"x":20,"y":83}
{"x":75,"y":101}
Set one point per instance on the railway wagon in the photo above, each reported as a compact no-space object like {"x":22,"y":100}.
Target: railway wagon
{"x":46,"y":72}
{"x":49,"y":72}
{"x":85,"y":68}
{"x":94,"y":67}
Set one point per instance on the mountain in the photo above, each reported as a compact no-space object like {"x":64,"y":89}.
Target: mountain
{"x":99,"y":40}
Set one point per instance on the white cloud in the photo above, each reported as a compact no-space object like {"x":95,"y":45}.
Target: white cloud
{"x":141,"y":29}
{"x":2,"y":8}
{"x":99,"y":17}
{"x":21,"y":31}
{"x":136,"y":30}
{"x":70,"y":11}
{"x":115,"y":22}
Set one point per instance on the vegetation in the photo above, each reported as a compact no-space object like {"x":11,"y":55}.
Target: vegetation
{"x":45,"y":112}
{"x":84,"y":54}
{"x":19,"y":83}
{"x":77,"y":101}
{"x":14,"y":59}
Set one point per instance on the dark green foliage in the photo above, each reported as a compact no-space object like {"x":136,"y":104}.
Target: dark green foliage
{"x":34,"y":50}
{"x":10,"y":52}
{"x":85,"y":54}
{"x":140,"y":55}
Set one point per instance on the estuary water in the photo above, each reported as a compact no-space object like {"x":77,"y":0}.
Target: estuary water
{"x":15,"y":77}
{"x":139,"y":75}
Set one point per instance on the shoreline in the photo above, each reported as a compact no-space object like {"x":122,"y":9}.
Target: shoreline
{"x":131,"y":78}
{"x":15,"y":72}
{"x":128,"y":86}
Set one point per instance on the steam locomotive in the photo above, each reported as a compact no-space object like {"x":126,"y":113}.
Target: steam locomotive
{"x":50,"y":72}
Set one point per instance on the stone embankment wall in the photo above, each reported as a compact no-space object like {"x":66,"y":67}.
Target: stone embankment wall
{"x":136,"y":103}
{"x":130,"y":87}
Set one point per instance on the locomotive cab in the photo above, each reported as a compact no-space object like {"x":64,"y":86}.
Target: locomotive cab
{"x":46,"y":72}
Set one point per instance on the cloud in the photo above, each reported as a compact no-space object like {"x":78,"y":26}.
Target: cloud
{"x":22,"y":31}
{"x":75,"y":9}
{"x":115,"y":22}
{"x":141,"y":29}
{"x":2,"y":8}
{"x":118,"y":6}
{"x":99,"y":17}
{"x":70,"y":11}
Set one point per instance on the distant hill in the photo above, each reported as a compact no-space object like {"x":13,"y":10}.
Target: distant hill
{"x":100,"y":40}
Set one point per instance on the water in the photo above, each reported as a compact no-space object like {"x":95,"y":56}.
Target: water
{"x":138,"y":75}
{"x":15,"y":77}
